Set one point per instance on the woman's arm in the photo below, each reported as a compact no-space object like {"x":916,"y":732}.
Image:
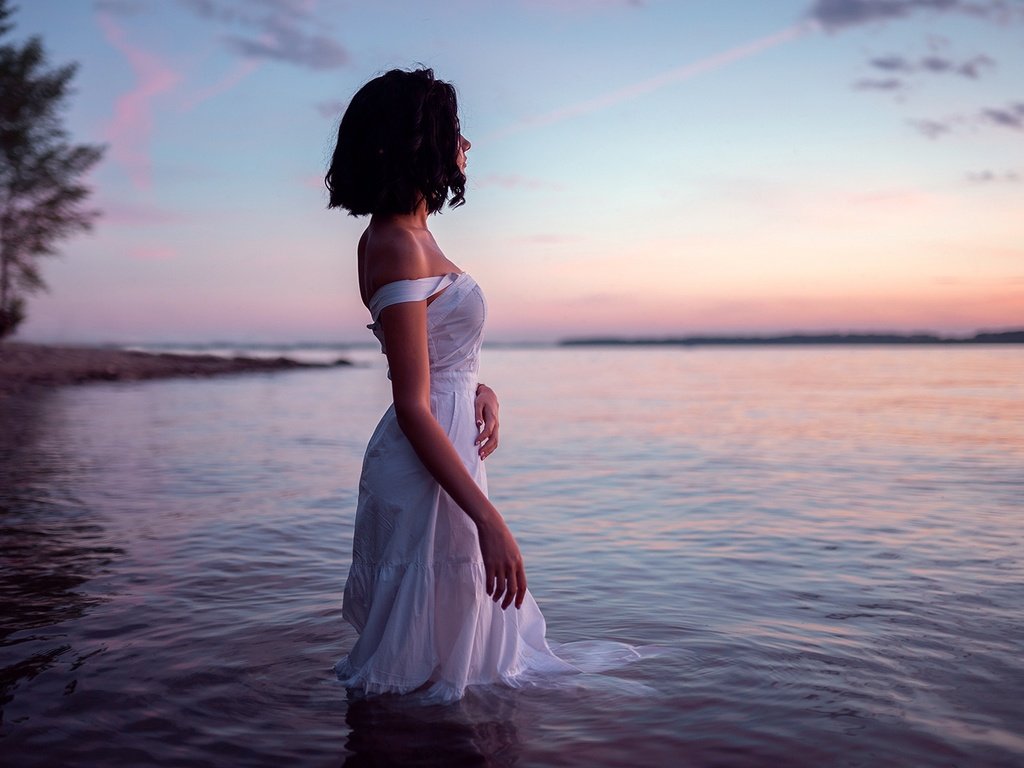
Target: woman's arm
{"x":405,"y":338}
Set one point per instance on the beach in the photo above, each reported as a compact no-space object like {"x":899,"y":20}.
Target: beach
{"x":23,"y":364}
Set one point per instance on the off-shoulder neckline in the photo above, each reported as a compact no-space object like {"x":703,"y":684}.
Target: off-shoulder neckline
{"x":453,"y":275}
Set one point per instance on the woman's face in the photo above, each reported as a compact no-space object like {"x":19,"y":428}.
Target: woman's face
{"x":460,"y":156}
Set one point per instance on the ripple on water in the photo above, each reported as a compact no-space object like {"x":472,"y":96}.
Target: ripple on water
{"x":826,"y":542}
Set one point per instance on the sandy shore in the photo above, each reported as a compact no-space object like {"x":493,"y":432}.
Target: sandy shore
{"x":24,"y":365}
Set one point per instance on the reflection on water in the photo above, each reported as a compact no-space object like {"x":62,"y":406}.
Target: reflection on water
{"x":825,"y":541}
{"x":387,"y":730}
{"x":51,"y":543}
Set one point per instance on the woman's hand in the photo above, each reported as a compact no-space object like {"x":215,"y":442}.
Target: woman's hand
{"x":486,"y":420}
{"x":504,"y":573}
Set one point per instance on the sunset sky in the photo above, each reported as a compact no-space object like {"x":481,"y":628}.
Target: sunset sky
{"x":638,"y":168}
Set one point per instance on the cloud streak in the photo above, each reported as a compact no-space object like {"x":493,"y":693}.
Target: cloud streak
{"x":121,"y":214}
{"x":839,"y":14}
{"x":120,"y":7}
{"x":900,"y":67}
{"x":152,"y":253}
{"x":225,"y":84}
{"x":285,"y":42}
{"x":1011,"y":116}
{"x":131,"y":129}
{"x":896,"y":72}
{"x":515,"y":181}
{"x":933,"y":64}
{"x":657,"y":82}
{"x":879,"y":84}
{"x":932,"y":129}
{"x":280,"y":33}
{"x":330,"y":109}
{"x":994,"y":177}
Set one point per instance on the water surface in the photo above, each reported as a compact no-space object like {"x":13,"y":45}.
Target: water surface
{"x":827,"y":540}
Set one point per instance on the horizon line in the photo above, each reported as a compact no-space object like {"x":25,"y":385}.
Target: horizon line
{"x":663,"y":338}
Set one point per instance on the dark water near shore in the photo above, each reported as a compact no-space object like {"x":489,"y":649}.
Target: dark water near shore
{"x":828,"y":539}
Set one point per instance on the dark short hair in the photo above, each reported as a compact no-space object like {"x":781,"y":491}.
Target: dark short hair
{"x":397,"y":143}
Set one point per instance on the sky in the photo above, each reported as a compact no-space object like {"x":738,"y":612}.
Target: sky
{"x":644,"y":168}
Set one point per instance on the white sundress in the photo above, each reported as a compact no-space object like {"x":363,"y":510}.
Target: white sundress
{"x":415,"y":591}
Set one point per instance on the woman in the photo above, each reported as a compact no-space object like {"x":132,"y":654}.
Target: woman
{"x":435,"y":570}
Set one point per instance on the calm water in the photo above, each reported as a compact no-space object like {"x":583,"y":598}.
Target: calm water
{"x":828,"y":541}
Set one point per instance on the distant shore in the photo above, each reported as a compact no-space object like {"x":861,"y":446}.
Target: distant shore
{"x":23,"y":365}
{"x":983,"y":337}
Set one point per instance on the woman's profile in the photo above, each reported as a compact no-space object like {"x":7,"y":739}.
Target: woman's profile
{"x":437,"y":588}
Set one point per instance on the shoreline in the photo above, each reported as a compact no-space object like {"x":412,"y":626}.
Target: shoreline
{"x":24,"y":365}
{"x":1014,"y":336}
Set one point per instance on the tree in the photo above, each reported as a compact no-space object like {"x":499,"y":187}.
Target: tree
{"x":41,"y":197}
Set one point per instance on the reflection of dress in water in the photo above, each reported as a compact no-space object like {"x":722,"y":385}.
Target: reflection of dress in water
{"x":415,"y":591}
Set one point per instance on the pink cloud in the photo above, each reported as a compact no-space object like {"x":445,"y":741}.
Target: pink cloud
{"x":313,"y":181}
{"x":874,"y":207}
{"x":897,"y":199}
{"x":547,"y":239}
{"x":515,"y":181}
{"x":153,"y":253}
{"x":129,"y":215}
{"x":131,"y":129}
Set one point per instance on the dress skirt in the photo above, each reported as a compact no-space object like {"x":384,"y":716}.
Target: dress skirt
{"x":415,"y":591}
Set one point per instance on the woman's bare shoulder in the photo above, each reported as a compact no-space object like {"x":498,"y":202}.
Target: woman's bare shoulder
{"x":393,"y":253}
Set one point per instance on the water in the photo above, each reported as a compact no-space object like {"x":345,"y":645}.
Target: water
{"x":828,"y":540}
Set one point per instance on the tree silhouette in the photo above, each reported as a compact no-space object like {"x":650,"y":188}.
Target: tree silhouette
{"x":41,"y":197}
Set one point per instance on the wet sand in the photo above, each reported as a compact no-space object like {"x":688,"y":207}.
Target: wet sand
{"x":23,"y":365}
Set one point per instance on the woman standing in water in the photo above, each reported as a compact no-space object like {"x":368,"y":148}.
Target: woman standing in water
{"x":435,"y":570}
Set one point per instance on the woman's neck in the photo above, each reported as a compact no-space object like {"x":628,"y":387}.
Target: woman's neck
{"x":415,"y":220}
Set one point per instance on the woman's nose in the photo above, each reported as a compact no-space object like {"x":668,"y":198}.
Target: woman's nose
{"x":466,"y":144}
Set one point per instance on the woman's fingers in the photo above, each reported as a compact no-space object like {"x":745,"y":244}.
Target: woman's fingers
{"x":504,"y":573}
{"x":521,"y":583}
{"x":510,"y":587}
{"x":491,"y":444}
{"x":479,"y":414}
{"x":511,"y":591}
{"x":484,"y":431}
{"x":501,"y":586}
{"x":486,"y":407}
{"x":486,"y":424}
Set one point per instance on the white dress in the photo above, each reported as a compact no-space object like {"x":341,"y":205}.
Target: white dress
{"x":415,"y":591}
